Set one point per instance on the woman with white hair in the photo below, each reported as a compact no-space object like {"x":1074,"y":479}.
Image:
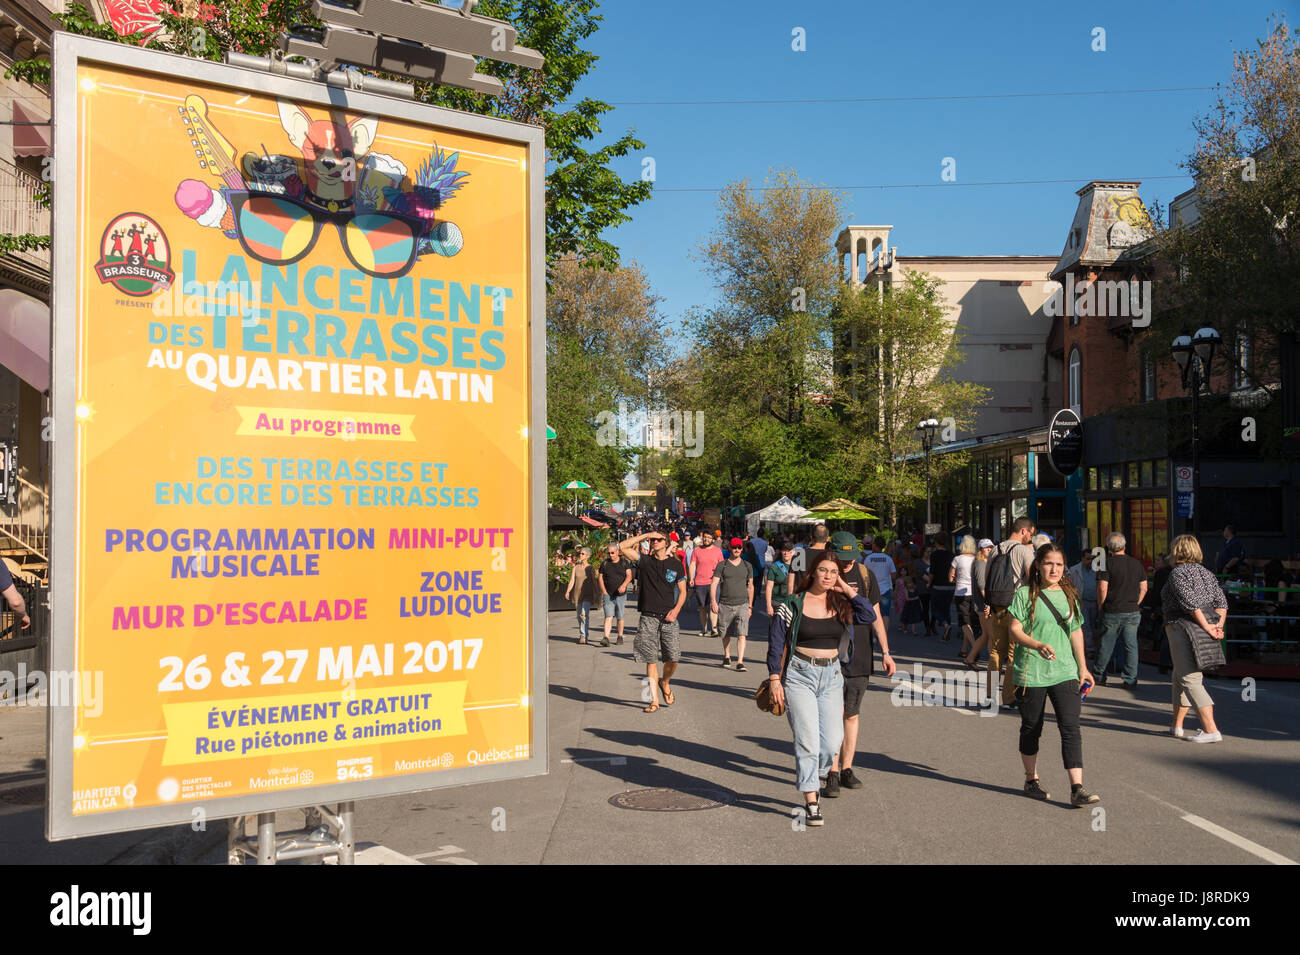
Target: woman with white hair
{"x":960,"y":575}
{"x":1194,"y":609}
{"x":583,"y":590}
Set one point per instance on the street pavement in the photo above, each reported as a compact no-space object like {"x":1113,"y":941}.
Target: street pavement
{"x":943,"y":782}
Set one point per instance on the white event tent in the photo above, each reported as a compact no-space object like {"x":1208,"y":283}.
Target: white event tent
{"x":781,"y":511}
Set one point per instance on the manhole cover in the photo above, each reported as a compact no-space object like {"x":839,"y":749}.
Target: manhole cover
{"x":672,"y":800}
{"x":25,"y":795}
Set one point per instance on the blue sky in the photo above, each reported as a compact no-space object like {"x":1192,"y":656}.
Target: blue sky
{"x":674,"y":50}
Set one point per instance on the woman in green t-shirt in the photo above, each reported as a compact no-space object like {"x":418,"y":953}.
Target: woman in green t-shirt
{"x":1046,"y":625}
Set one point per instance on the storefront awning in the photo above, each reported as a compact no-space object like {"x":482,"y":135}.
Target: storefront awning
{"x":30,"y":140}
{"x":25,"y":337}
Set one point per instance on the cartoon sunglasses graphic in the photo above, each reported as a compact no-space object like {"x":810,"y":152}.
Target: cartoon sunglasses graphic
{"x":278,"y":230}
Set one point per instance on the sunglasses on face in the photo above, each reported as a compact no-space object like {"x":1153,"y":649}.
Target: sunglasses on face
{"x":279,"y":230}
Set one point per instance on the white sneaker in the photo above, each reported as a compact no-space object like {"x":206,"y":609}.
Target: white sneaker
{"x":1204,"y":737}
{"x":1177,"y":731}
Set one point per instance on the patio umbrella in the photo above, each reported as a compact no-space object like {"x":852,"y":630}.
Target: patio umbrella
{"x":558,"y":520}
{"x":835,"y":505}
{"x":848,"y":514}
{"x":575,"y":486}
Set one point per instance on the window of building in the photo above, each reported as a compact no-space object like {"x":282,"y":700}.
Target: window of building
{"x":1148,"y":528}
{"x":1242,"y":353}
{"x":1148,"y":470}
{"x":1019,"y":472}
{"x":1046,"y":477}
{"x":1162,"y":473}
{"x":1148,"y":376}
{"x":1134,"y":470}
{"x":1117,"y":476}
{"x":1076,"y":381}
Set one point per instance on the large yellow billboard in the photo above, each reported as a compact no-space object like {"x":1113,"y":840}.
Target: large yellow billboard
{"x":295,"y":490}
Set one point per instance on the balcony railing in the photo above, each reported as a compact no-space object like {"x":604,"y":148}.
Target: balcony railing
{"x":19,"y":213}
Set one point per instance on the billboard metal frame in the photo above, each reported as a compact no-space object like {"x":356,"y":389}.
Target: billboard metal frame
{"x":69,"y":53}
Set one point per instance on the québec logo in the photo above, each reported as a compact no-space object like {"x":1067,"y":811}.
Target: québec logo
{"x":134,"y":256}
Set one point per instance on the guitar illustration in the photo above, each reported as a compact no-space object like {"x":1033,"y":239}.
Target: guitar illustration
{"x":214,"y":152}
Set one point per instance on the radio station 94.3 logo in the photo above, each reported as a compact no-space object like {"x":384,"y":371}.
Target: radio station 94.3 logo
{"x":134,"y":255}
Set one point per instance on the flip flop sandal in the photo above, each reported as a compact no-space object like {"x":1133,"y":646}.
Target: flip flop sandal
{"x":669,"y":698}
{"x":651,"y":708}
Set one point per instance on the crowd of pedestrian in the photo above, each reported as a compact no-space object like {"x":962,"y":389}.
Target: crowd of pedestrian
{"x":1050,"y":631}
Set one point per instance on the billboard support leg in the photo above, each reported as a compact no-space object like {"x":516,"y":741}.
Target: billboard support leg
{"x":234,"y":836}
{"x":347,"y":845}
{"x":266,"y":838}
{"x":327,"y":833}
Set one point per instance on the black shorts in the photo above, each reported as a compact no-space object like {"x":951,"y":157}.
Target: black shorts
{"x":967,"y":614}
{"x":854,"y":689}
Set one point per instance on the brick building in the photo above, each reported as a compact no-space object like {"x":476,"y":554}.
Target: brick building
{"x":1126,"y":385}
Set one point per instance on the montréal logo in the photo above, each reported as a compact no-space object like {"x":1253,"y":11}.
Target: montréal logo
{"x":134,"y":255}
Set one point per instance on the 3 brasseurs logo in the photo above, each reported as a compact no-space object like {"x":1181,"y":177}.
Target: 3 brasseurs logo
{"x":134,"y":255}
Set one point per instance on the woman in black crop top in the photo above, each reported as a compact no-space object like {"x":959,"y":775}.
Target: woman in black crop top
{"x":810,"y":683}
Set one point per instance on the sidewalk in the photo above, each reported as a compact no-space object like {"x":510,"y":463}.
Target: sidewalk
{"x":22,"y":810}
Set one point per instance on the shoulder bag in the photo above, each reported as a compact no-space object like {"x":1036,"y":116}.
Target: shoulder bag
{"x":1208,"y":651}
{"x":763,"y":695}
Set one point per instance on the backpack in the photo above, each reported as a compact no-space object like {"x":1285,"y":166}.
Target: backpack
{"x":1000,"y":582}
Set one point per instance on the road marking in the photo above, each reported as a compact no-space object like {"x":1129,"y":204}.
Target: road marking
{"x":444,"y":854}
{"x":1241,"y":842}
{"x":1227,"y":835}
{"x":377,"y":855}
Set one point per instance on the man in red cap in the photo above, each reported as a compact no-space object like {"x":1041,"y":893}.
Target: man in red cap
{"x":731,"y":594}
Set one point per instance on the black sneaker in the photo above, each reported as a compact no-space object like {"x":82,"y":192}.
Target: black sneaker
{"x":848,"y":780}
{"x":1081,"y":797}
{"x":1036,"y":791}
{"x":604,"y":641}
{"x":832,"y":788}
{"x":813,"y":814}
{"x":620,"y":642}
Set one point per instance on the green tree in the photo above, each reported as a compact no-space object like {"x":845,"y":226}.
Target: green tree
{"x":899,"y":349}
{"x":759,"y":368}
{"x":605,"y":344}
{"x":1237,"y":266}
{"x":584,"y":197}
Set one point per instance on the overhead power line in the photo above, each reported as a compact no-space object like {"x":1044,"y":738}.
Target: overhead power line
{"x":940,"y":185}
{"x":906,"y":99}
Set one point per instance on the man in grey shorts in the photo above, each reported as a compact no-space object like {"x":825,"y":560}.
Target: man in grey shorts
{"x":662,"y":589}
{"x":731,"y":594}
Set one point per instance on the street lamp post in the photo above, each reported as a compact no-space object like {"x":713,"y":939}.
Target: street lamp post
{"x":1194,"y":355}
{"x":926,"y":430}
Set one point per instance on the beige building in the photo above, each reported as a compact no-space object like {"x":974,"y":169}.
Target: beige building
{"x":997,"y":308}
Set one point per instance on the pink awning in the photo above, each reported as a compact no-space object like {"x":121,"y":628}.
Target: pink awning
{"x":25,"y":337}
{"x":30,"y":140}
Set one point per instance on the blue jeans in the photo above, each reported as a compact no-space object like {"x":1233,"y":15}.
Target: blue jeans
{"x":814,"y":704}
{"x":584,"y":614}
{"x":1117,"y":624}
{"x":887,"y":605}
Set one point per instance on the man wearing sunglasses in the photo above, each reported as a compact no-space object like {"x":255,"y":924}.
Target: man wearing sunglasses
{"x":662,"y":593}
